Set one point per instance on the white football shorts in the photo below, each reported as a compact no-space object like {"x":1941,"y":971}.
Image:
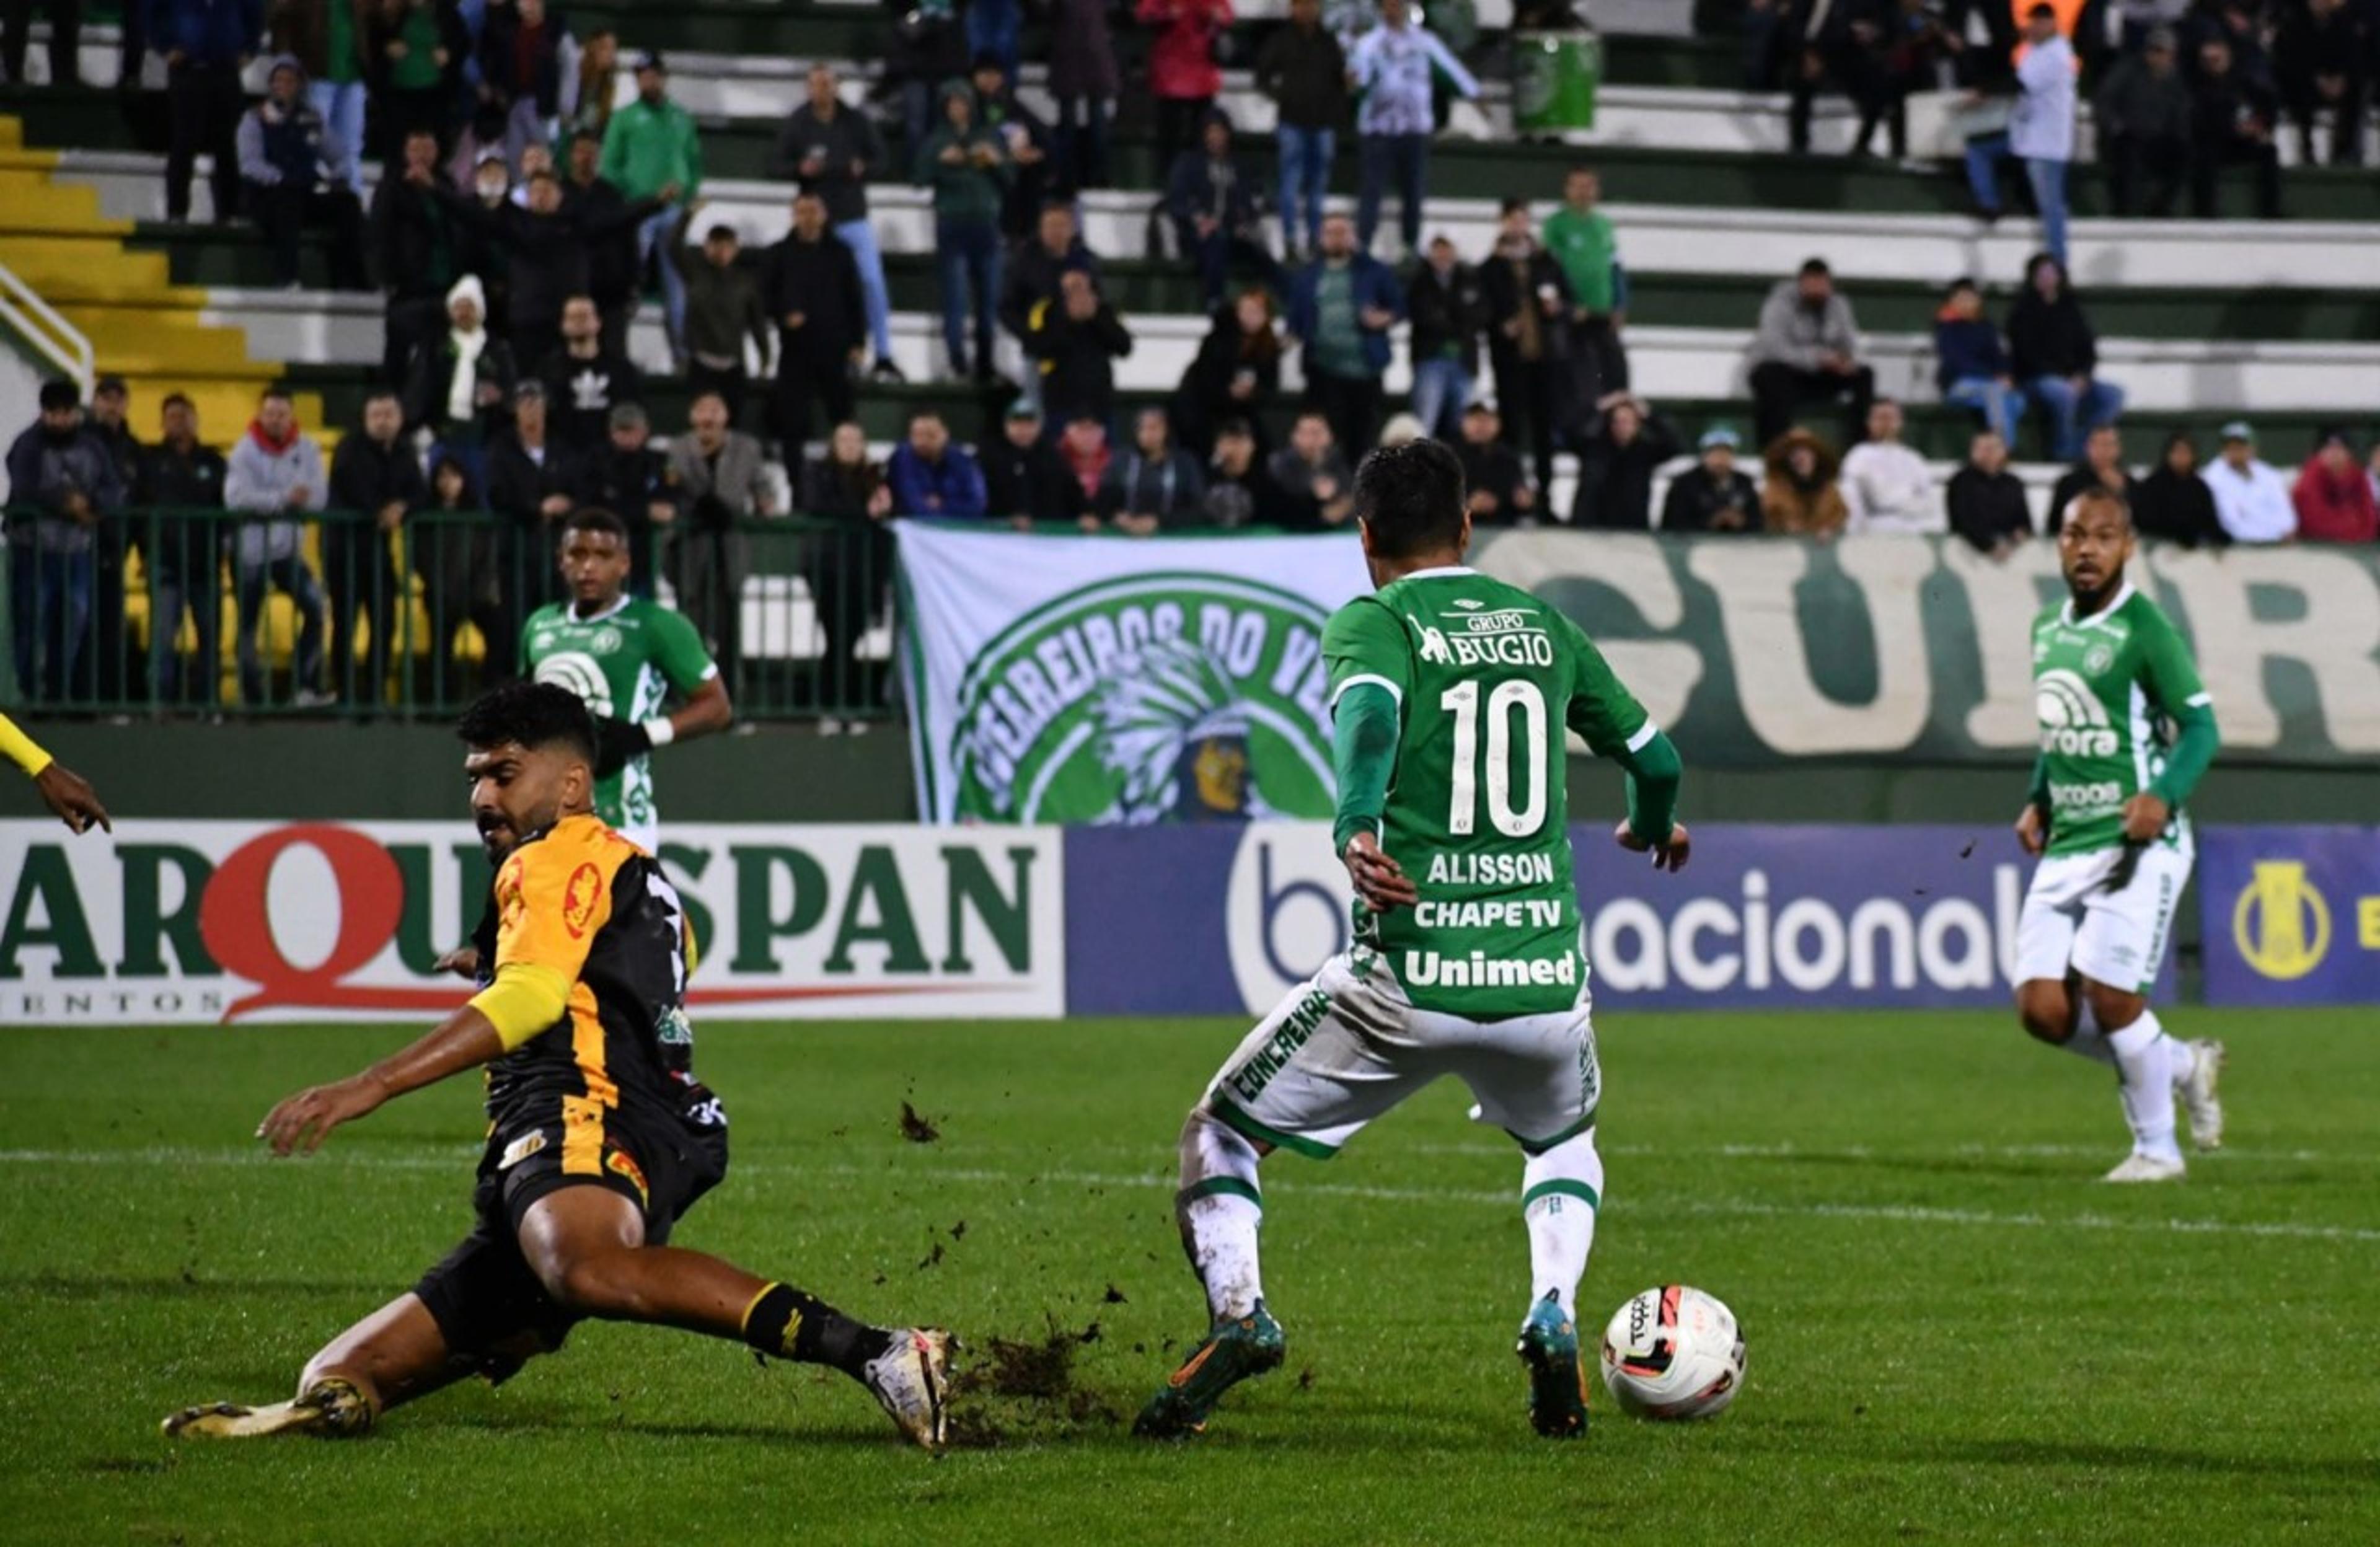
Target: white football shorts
{"x":1347,"y":1045}
{"x":2072,"y":921}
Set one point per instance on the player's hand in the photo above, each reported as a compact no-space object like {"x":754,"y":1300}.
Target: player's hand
{"x":1380,"y":883}
{"x":69,"y":795}
{"x":463,"y":961}
{"x":2031,"y":831}
{"x":2144,"y":817}
{"x":300,"y":1123}
{"x":1671,"y":855}
{"x":618,"y":741}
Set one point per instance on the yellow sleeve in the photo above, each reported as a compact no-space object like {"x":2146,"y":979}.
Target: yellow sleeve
{"x":21,"y":750}
{"x":523,"y":1002}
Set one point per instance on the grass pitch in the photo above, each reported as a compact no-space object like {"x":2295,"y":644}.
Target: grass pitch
{"x":1956,"y":1334}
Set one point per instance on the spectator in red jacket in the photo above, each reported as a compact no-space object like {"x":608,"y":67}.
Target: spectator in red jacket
{"x":2333,"y":498}
{"x":1183,"y":74}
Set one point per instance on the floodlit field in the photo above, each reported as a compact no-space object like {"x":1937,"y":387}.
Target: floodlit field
{"x":1956,"y":1334}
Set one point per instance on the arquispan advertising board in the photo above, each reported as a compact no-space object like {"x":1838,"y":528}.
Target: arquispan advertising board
{"x":242,"y":920}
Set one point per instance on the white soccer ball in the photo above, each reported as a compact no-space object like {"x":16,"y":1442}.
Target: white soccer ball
{"x":1674,"y":1352}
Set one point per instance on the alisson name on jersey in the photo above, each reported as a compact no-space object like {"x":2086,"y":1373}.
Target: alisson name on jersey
{"x":1491,"y":870}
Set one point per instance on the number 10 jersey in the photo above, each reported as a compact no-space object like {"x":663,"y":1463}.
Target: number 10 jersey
{"x":1486,"y":677}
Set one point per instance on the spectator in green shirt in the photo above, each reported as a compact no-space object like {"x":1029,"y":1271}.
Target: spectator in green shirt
{"x":1582,"y":239}
{"x":969,"y":168}
{"x":651,"y":151}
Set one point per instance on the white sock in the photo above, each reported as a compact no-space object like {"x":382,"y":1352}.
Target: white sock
{"x":2144,"y":1059}
{"x":2090,"y":1039}
{"x":1560,"y":1193}
{"x":1219,"y":1210}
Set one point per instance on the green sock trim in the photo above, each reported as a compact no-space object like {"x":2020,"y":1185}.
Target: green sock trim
{"x":1213,"y":1186}
{"x":1534,"y":1146}
{"x":1248,"y":1127}
{"x":1564,"y":1187}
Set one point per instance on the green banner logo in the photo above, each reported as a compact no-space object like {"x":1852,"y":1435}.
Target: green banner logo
{"x":1173,"y":697}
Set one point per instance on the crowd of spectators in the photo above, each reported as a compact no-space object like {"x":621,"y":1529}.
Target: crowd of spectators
{"x":2180,"y":89}
{"x":521,"y":218}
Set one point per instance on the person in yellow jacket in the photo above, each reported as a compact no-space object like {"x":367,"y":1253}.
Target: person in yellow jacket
{"x":64,"y":791}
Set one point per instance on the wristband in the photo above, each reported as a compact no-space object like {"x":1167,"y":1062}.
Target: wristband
{"x":659,"y":730}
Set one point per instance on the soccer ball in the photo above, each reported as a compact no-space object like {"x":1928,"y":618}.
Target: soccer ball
{"x":1674,"y":1352}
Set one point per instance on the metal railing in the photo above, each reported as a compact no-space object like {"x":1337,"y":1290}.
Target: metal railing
{"x":26,"y":314}
{"x":168,"y":611}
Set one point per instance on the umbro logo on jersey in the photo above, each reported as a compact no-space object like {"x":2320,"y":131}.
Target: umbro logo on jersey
{"x":1468,"y":605}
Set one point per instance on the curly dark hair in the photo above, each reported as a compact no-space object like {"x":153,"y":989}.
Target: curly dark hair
{"x":531,"y":714}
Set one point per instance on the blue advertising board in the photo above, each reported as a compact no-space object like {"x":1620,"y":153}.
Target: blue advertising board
{"x":2291,"y":915}
{"x":1220,"y":919}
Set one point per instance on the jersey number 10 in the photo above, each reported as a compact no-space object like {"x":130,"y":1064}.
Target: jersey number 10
{"x":1461,"y":700}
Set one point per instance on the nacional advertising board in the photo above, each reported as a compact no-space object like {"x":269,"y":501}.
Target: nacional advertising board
{"x":2292,"y":915}
{"x":1769,"y":918}
{"x":219,"y":921}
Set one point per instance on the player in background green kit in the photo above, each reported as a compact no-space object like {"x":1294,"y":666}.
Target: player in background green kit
{"x":623,"y":655}
{"x":2126,"y":731}
{"x":1450,"y":696}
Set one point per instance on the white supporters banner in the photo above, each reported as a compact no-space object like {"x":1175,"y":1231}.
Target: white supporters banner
{"x":217,"y":921}
{"x":1078,"y":679}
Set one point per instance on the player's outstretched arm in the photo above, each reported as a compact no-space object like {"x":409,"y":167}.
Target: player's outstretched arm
{"x":464,"y":1039}
{"x":65,"y":793}
{"x":70,"y":796}
{"x":526,"y":999}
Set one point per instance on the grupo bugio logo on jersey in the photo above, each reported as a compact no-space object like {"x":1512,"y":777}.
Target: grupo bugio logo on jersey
{"x":1148,"y":698}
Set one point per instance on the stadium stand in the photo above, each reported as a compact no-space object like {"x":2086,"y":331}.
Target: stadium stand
{"x":2199,"y":321}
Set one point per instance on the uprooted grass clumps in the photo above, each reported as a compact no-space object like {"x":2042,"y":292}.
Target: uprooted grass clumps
{"x":1021,"y":1390}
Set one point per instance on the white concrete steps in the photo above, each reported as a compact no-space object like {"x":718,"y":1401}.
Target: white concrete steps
{"x":2221,"y":256}
{"x":1669,"y":363}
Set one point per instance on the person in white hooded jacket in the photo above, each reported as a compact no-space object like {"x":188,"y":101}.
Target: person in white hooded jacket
{"x":276,"y":470}
{"x":1887,"y":486}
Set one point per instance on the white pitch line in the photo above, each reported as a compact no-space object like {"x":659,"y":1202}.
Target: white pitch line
{"x":1706,"y":1207}
{"x":1789,"y":1151}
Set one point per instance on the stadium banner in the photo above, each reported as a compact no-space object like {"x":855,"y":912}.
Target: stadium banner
{"x":166,"y":922}
{"x":2291,"y":915}
{"x":1092,"y":681}
{"x":1753,"y":651}
{"x":1764,"y":917}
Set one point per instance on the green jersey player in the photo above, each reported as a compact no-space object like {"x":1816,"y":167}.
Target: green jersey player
{"x":1451,"y":694}
{"x":624,"y":656}
{"x":2126,"y":731}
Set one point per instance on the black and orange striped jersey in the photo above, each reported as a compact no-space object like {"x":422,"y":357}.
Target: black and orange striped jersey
{"x":582,"y":902}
